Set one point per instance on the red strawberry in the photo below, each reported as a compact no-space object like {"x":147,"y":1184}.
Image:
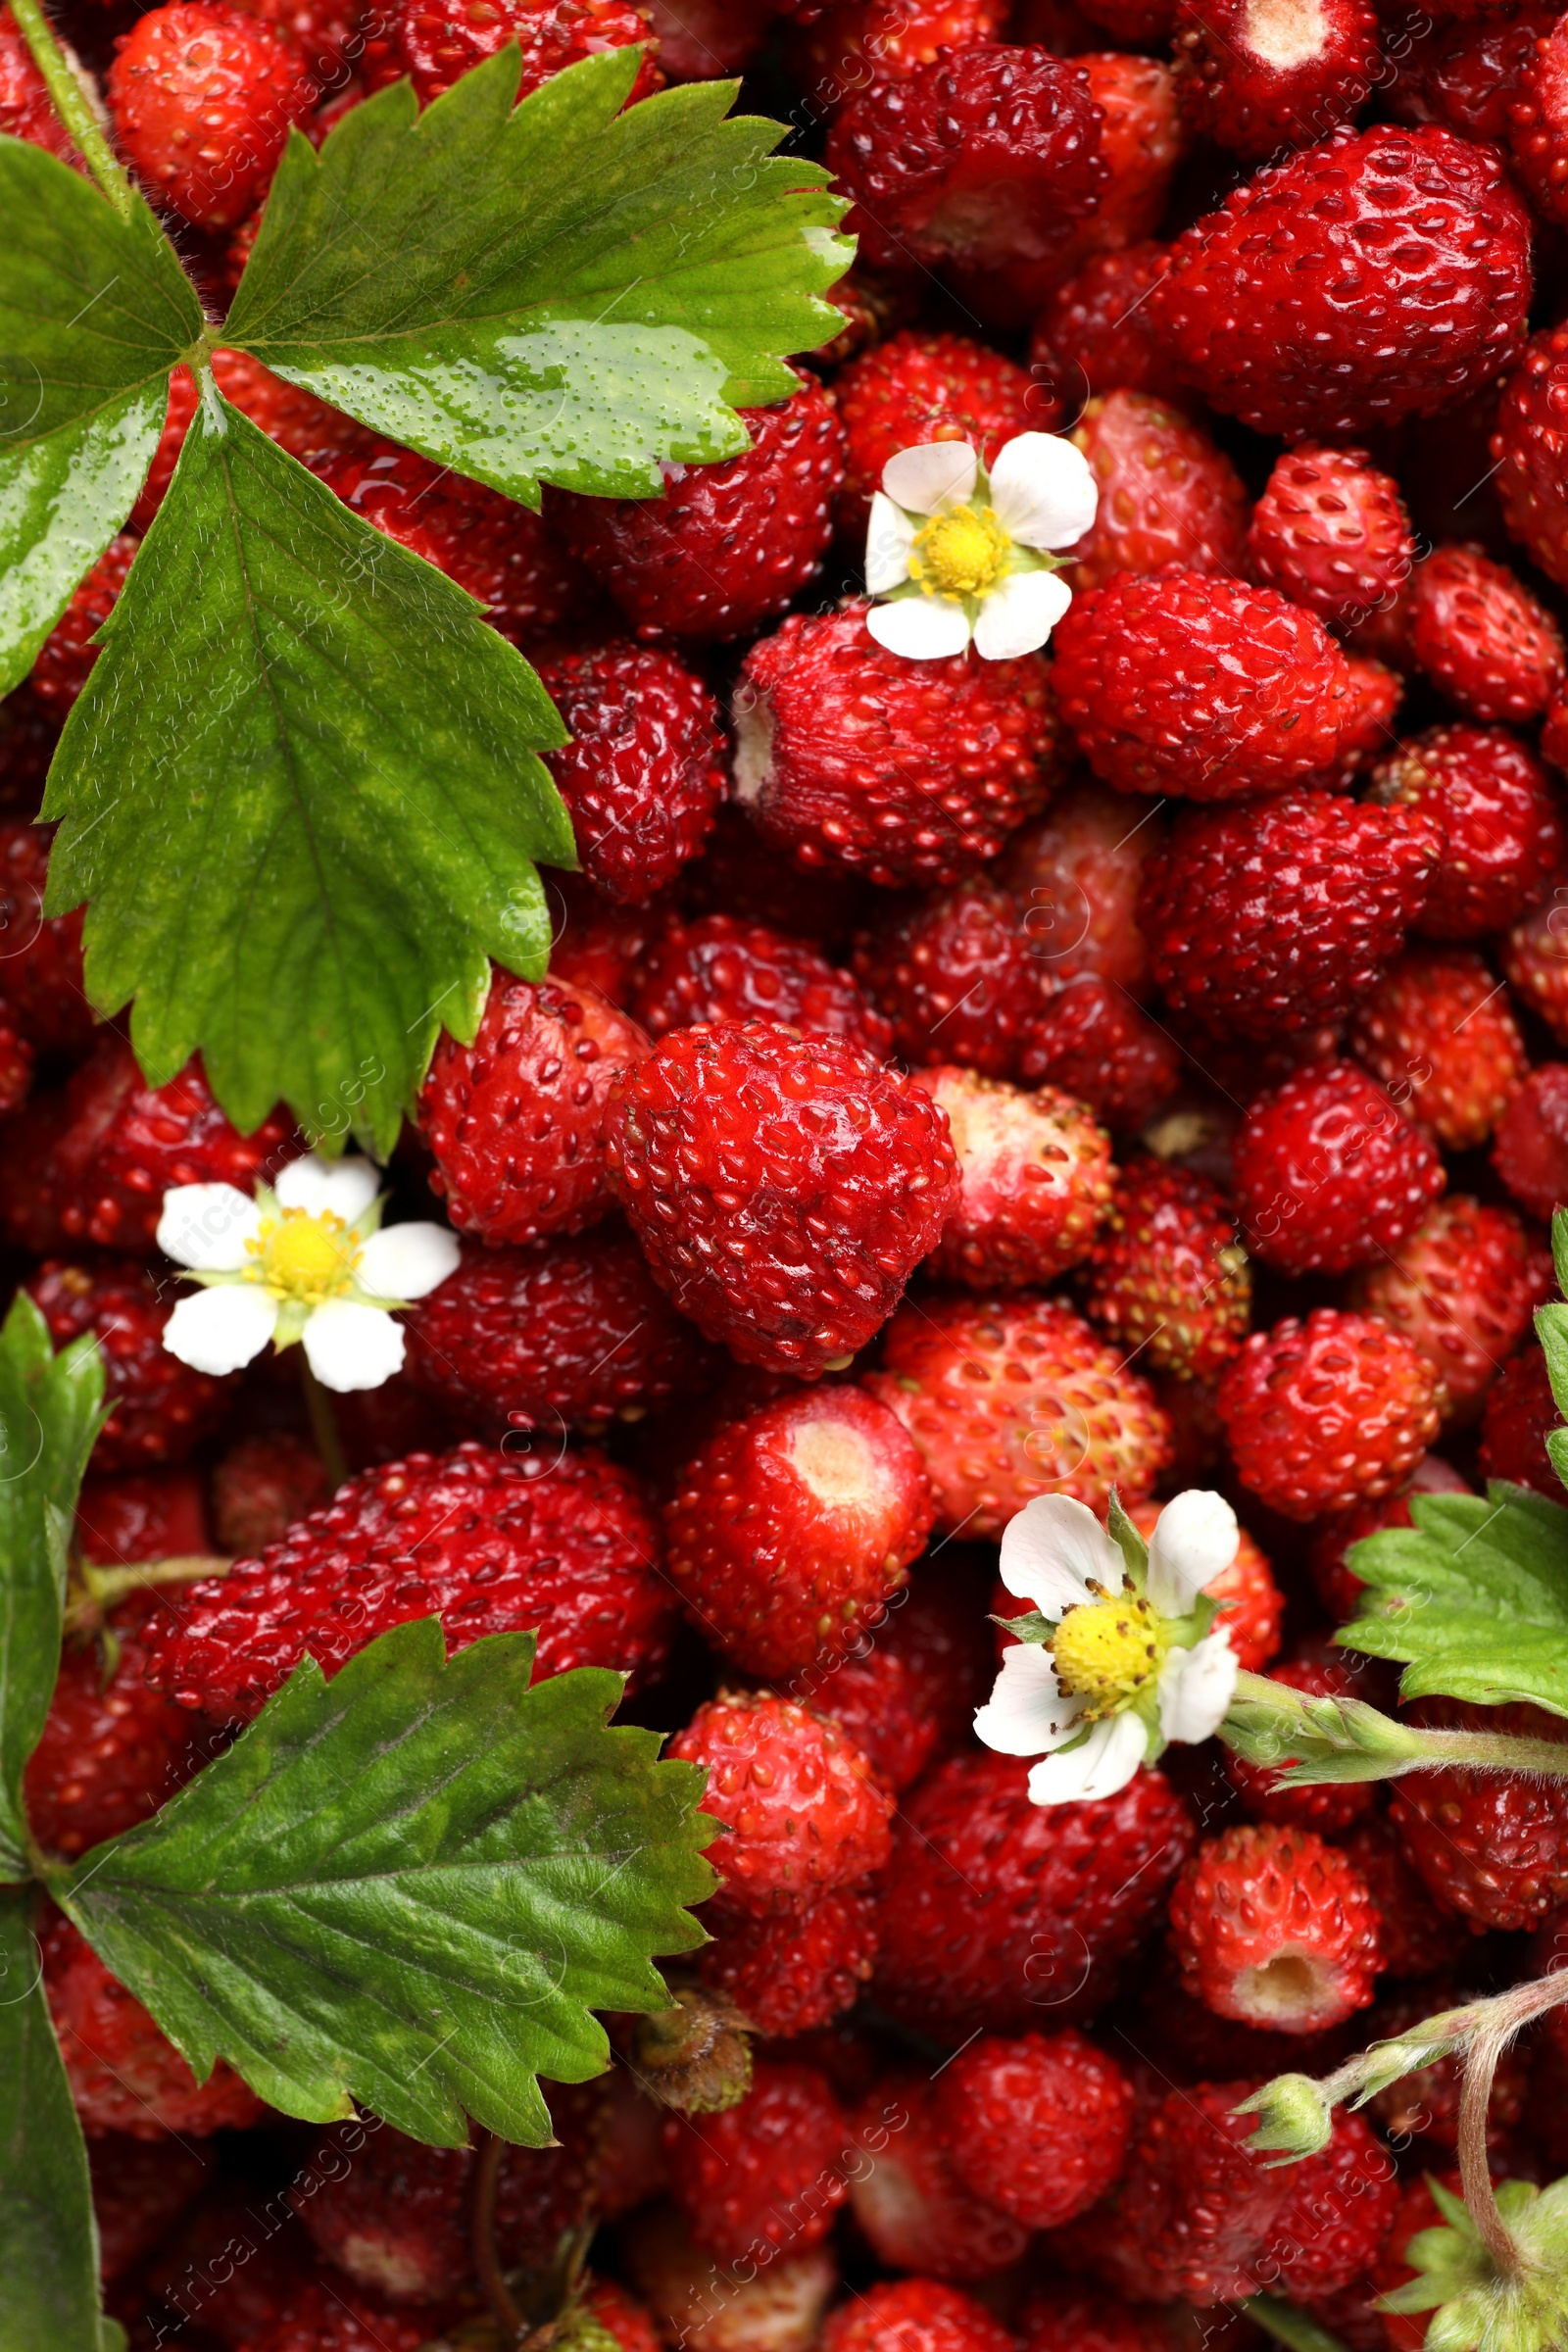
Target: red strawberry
{"x":597,"y":941}
{"x":1066,"y":2317}
{"x":1167,"y":496}
{"x":783,"y":1188}
{"x":1276,"y":309}
{"x":803,"y":1811}
{"x":1319,"y":1413}
{"x":720,"y":969}
{"x":1482,"y":637}
{"x":1496,"y":814}
{"x":906,"y":1695}
{"x":1367,"y":729}
{"x":1203,"y":687}
{"x":911,"y":2201}
{"x":29,"y":729}
{"x":953,"y":973}
{"x":1013,"y":1398}
{"x":17,"y":1062}
{"x":141,"y":1515}
{"x":1036,"y":1178}
{"x":1535,"y":964}
{"x":439,"y":40}
{"x":764,"y":2178}
{"x":1094,"y":335}
{"x":111,"y":1751}
{"x":914,"y":2315}
{"x":1416,"y":1937}
{"x":1330,"y":1174}
{"x":1531,"y":447}
{"x":1075,"y":874}
{"x":1463,"y":1289}
{"x":1252,"y":1604}
{"x":1332,"y":533}
{"x":1248,"y":88}
{"x":26,"y":110}
{"x":1491,"y":1846}
{"x":1521,"y":1413}
{"x":645,"y":772}
{"x":740,"y":875}
{"x":1089,"y":1039}
{"x":516,"y":1119}
{"x":724,"y":547}
{"x":707,"y":40}
{"x":837,"y":50}
{"x":203,"y":97}
{"x":1437,"y":1032}
{"x":794,"y":1970}
{"x":849,"y":756}
{"x":918,"y":387}
{"x":1328,"y":1809}
{"x":320,"y":2312}
{"x":40,"y":955}
{"x":1470,"y":75}
{"x":1039,"y":2126}
{"x":67,"y":652}
{"x":489,"y":1546}
{"x":1537,"y":125}
{"x":1141,"y":141}
{"x":261,"y":1486}
{"x":1530,"y":1149}
{"x":1271,"y":1926}
{"x":159,"y":1407}
{"x":1339,"y":1587}
{"x":1168,"y":1279}
{"x":712,"y":2309}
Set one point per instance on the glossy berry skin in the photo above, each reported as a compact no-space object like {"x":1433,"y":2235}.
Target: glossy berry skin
{"x":1320,"y":1413}
{"x":914,"y":2315}
{"x":835,"y":51}
{"x":1068,"y":2317}
{"x":1418,"y":1939}
{"x":790,"y":1529}
{"x":954,"y":975}
{"x":1037,"y":2125}
{"x":440,"y":40}
{"x":1169,"y":1277}
{"x":1275,"y":918}
{"x":794,"y":1970}
{"x":261,"y":1486}
{"x":741,"y":2178}
{"x":315,"y":2311}
{"x":1331,"y":532}
{"x":803,"y":1810}
{"x":1074,"y":875}
{"x":994,"y":1909}
{"x":1035,"y":1176}
{"x":1246,"y":88}
{"x":571,"y":1330}
{"x":646,"y":767}
{"x":1435,"y":1025}
{"x":918,"y":387}
{"x":1482,"y":637}
{"x":1521,"y":1413}
{"x":724,"y":547}
{"x":68,"y":654}
{"x":1490,"y":1846}
{"x":1379,"y":275}
{"x":1141,"y":142}
{"x":125,"y":2076}
{"x":159,"y":1407}
{"x":486,"y":1543}
{"x":908,"y":772}
{"x":1167,"y":496}
{"x":1530,"y":447}
{"x":203,"y":98}
{"x":1471,"y":74}
{"x":1498,"y":820}
{"x":911,"y":2202}
{"x":1463,"y":1287}
{"x":1090,"y":1040}
{"x":516,"y":1119}
{"x":905,"y":1696}
{"x":1016,"y":1396}
{"x":721,"y":968}
{"x":1200,"y":687}
{"x":1534,"y":963}
{"x":112,"y":1750}
{"x":141,"y":1515}
{"x":1093,"y":336}
{"x":1329,"y":1808}
{"x":783,"y":1188}
{"x":41,"y":985}
{"x":1530,"y":1149}
{"x":1538,"y":123}
{"x":1330,"y":1174}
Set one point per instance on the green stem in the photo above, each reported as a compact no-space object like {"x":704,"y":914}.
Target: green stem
{"x":103,"y":1588}
{"x":72,"y":105}
{"x":323,"y":1424}
{"x":1288,"y":2325}
{"x":1315,"y":1741}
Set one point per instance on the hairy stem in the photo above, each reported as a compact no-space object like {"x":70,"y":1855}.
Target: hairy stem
{"x":1475,"y":2095}
{"x":1315,"y":1741}
{"x":486,"y":2261}
{"x":323,"y":1424}
{"x":73,"y":104}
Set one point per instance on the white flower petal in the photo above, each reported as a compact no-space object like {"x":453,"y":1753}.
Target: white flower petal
{"x":937,"y":474}
{"x":345,"y":1186}
{"x":1028,"y":1713}
{"x":1194,"y":1540}
{"x":1018,"y":616}
{"x":207,"y":1226}
{"x":919,"y":627}
{"x":349,"y":1346}
{"x":222,"y":1328}
{"x":403,"y":1261}
{"x":1107,"y":1761}
{"x":889,"y":537}
{"x":1043,"y":490}
{"x":1050,"y":1550}
{"x":1196,"y":1688}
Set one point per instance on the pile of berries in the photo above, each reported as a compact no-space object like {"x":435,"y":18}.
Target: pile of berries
{"x":1128,"y":1066}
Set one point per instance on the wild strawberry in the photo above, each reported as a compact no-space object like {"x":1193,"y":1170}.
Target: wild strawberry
{"x":794,"y":1970}
{"x":1252,"y":1604}
{"x":1537,"y":127}
{"x":1013,"y":1398}
{"x":1093,"y":336}
{"x":724,"y":547}
{"x":1247,"y":89}
{"x":1330,"y":1174}
{"x":918,"y":387}
{"x":1069,"y":2317}
{"x":1167,"y":496}
{"x":599,"y":942}
{"x":1274,"y":917}
{"x":1416,"y":1937}
{"x":1530,"y":1149}
{"x":571,"y":1330}
{"x":1497,"y":818}
{"x":802,"y":1808}
{"x":26,"y":110}
{"x":1367,"y":731}
{"x":1168,"y":1279}
{"x":67,"y":656}
{"x":1328,"y":1809}
{"x":1437,"y":1032}
{"x":765,"y":2176}
{"x":159,"y":1407}
{"x":203,"y":98}
{"x":914,"y":2315}
{"x":783,"y":1188}
{"x":712,"y":2309}
{"x":1037,"y":2125}
{"x":112,"y":1750}
{"x":911,"y":2201}
{"x":1246,"y":306}
{"x":40,"y":955}
{"x":874,"y":1695}
{"x":646,"y":769}
{"x":1471,"y":74}
{"x":488,"y":1544}
{"x":906,"y":1695}
{"x":1319,"y":1413}
{"x":1425,"y":2103}
{"x":953,"y":973}
{"x":141,"y":1515}
{"x":1520,"y":1416}
{"x":909,"y":772}
{"x":1530,"y":449}
{"x":28,"y":733}
{"x":1491,"y":1846}
{"x":837,"y":50}
{"x":741,"y":875}
{"x":439,"y":40}
{"x":16,"y":1064}
{"x":1036,"y":1178}
{"x":1332,"y":533}
{"x":319,"y":2311}
{"x":1271,"y":1924}
{"x":1535,"y":964}
{"x":1075,"y":874}
{"x":1090,"y":1040}
{"x":720,"y":969}
{"x":124,"y":2074}
{"x":1463,"y":1289}
{"x":1206,"y":688}
{"x":516,"y":1120}
{"x":261,"y":1486}
{"x":1482,"y":637}
{"x":995,"y":1909}
{"x":707,"y":39}
{"x":1141,"y":141}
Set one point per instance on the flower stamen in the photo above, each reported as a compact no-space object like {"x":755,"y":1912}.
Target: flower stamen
{"x":1107,"y":1650}
{"x":963,"y":553}
{"x":304,"y":1257}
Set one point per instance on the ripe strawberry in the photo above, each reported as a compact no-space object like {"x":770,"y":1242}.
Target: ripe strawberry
{"x":764,"y":2177}
{"x":1491,"y":1846}
{"x":1013,"y":1398}
{"x":724,"y":547}
{"x":139,"y":2191}
{"x":440,"y":40}
{"x":914,"y":2315}
{"x":40,"y":957}
{"x":906,"y":1695}
{"x":1470,"y":75}
{"x":1530,"y":447}
{"x":1482,"y":637}
{"x":1521,"y":1413}
{"x":141,"y":1515}
{"x":1329,"y":1809}
{"x":17,"y":1066}
{"x":1168,"y":1279}
{"x":203,"y":97}
{"x":1367,"y":731}
{"x":1167,"y":496}
{"x":1271,"y":1926}
{"x":1332,"y":533}
{"x":720,"y":969}
{"x":1037,"y":2125}
{"x":125,"y":2076}
{"x":911,"y":2201}
{"x":516,"y":1120}
{"x":953,"y":973}
{"x":26,"y":110}
{"x":1330,"y":1174}
{"x":67,"y":652}
{"x":789,"y":1529}
{"x":597,"y":941}
{"x":488,"y":1544}
{"x":741,"y":875}
{"x":995,"y":1909}
{"x":918,"y":387}
{"x":1276,"y":916}
{"x":1203,"y":687}
{"x":1537,"y":127}
{"x":783,"y":1188}
{"x":111,"y":1751}
{"x":261,"y":1487}
{"x":1247,"y":310}
{"x":1438,"y":1028}
{"x":1319,"y":1413}
{"x":1075,"y":874}
{"x":1068,"y":2317}
{"x":1530,"y":1149}
{"x":849,"y":756}
{"x":712,"y":2309}
{"x":159,"y":1407}
{"x":1416,"y":1937}
{"x":321,"y":2311}
{"x":1496,"y":814}
{"x":1463,"y":1290}
{"x":1090,"y":1040}
{"x":1425,"y":2104}
{"x":707,"y":39}
{"x":1094,"y":336}
{"x":28,"y":732}
{"x":1140,"y":142}
{"x":803,"y":1810}
{"x":837,"y":50}
{"x":1534,"y":963}
{"x":1250,"y":88}
{"x":1036,"y":1178}
{"x":794,"y":1970}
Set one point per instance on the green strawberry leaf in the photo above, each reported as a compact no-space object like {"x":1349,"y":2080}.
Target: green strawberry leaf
{"x":302,"y":794}
{"x":410,"y":1886}
{"x":556,"y":290}
{"x":94,"y":312}
{"x":49,"y":1417}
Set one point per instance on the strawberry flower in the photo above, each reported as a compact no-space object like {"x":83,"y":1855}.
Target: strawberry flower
{"x":1116,"y":1658}
{"x":956,"y":553}
{"x":304,"y":1260}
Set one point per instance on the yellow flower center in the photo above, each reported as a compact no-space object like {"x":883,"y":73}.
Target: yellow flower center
{"x":961,"y":553}
{"x":1106,"y":1651}
{"x":302,"y":1257}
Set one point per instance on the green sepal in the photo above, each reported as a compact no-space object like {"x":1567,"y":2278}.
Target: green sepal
{"x":1476,"y":2308}
{"x":1030,"y":1627}
{"x":1293,"y":2116}
{"x":1307,"y":1739}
